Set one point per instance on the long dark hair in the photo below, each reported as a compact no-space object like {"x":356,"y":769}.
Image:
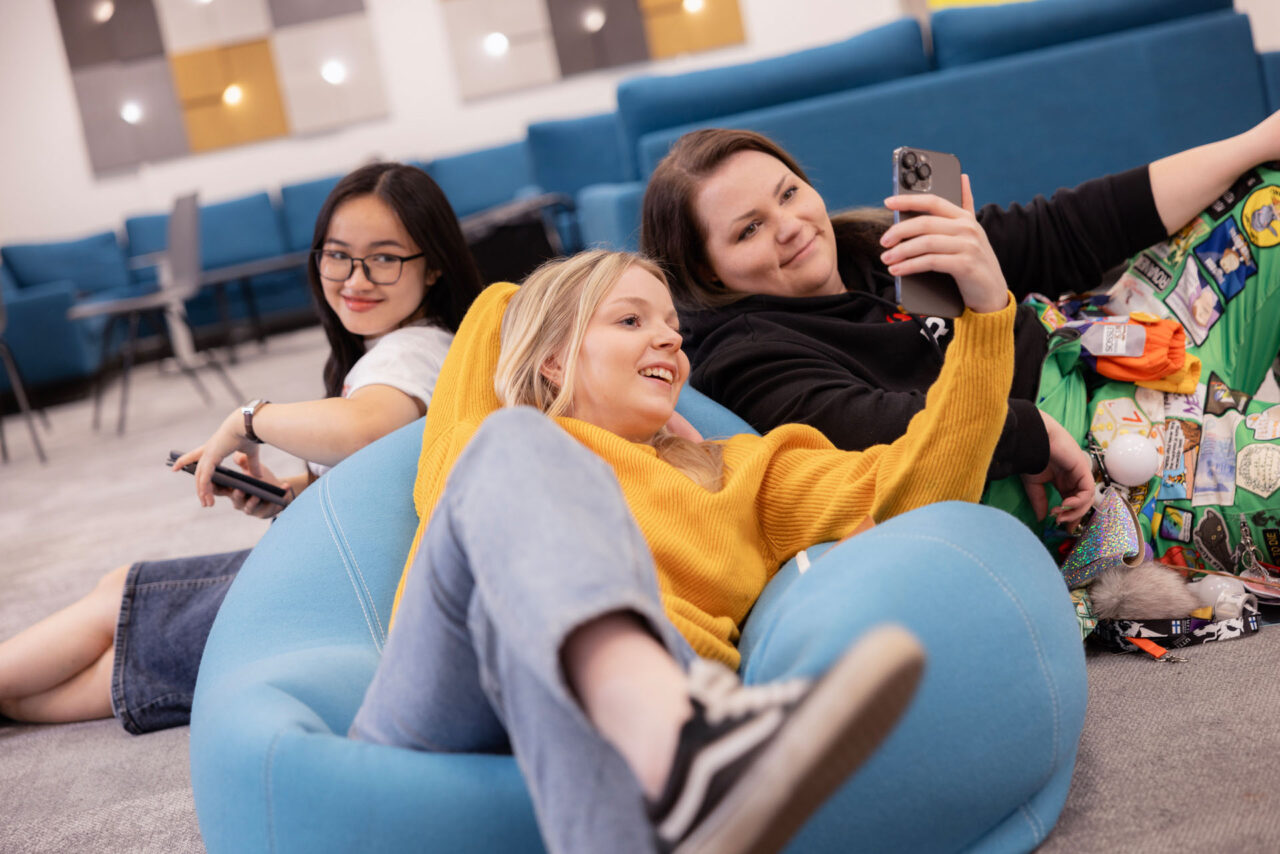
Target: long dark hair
{"x":428,"y":218}
{"x":672,"y":233}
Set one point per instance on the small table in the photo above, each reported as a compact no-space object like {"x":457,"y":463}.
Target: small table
{"x":241,"y":273}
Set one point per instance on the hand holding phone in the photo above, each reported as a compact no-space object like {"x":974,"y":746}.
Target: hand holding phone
{"x":232,"y":479}
{"x":917,"y":171}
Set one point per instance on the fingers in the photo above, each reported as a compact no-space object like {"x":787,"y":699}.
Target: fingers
{"x":923,"y":203}
{"x":920,"y":225}
{"x":1036,"y":495}
{"x":187,"y":459}
{"x":966,"y":194}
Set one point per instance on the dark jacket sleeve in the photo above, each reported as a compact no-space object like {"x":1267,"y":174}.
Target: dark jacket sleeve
{"x":769,"y":383}
{"x":1066,"y":243}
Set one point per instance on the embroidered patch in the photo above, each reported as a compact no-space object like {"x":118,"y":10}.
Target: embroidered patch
{"x":1258,"y":469}
{"x":1177,"y":524}
{"x":1130,"y":294}
{"x":1265,"y":424}
{"x":1121,"y":415}
{"x":1179,"y":461}
{"x":1216,"y":468}
{"x":1195,"y":303}
{"x":1226,"y":255}
{"x":1188,"y":407}
{"x":1220,"y":398}
{"x":1173,"y":251}
{"x":1052,"y":318}
{"x":1261,"y":217}
{"x":1146,"y":266}
{"x":1235,"y":193}
{"x":1271,"y":542}
{"x":1114,"y":336}
{"x":1151,"y":402}
{"x":1212,"y":541}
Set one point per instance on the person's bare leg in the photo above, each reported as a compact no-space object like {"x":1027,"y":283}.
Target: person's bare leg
{"x":631,"y":690}
{"x":64,"y":644}
{"x":84,"y":697}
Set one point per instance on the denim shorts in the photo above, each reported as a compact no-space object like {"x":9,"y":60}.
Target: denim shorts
{"x":166,"y":612}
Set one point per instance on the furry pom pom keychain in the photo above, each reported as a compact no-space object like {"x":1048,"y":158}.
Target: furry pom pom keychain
{"x":1148,"y":591}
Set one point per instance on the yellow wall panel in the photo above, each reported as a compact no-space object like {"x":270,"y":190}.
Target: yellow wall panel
{"x":672,"y":30}
{"x":202,"y":76}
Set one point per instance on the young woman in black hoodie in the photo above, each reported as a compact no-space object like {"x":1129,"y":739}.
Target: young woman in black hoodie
{"x":789,"y":315}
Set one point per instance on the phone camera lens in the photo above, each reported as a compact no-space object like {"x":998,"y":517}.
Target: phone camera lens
{"x":908,"y":179}
{"x":923,"y":171}
{"x":909,"y":160}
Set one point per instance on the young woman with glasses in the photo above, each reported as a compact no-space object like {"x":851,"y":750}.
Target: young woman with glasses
{"x":392,"y":277}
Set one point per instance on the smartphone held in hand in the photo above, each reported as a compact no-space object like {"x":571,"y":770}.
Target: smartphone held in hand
{"x":232,"y":479}
{"x":916,"y":171}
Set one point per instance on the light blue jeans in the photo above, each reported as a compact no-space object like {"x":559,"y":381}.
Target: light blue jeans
{"x":531,"y":539}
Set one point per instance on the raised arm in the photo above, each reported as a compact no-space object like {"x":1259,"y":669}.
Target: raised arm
{"x":1185,"y":183}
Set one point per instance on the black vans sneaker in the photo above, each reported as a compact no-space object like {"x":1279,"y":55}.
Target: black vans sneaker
{"x":753,"y":763}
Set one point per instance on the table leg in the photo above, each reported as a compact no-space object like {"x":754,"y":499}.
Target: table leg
{"x":127,"y":364}
{"x":220,"y":297}
{"x":21,"y":394}
{"x":99,"y":379}
{"x":251,"y":305}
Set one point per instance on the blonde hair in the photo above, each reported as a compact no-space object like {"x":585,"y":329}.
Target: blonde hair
{"x":547,"y":319}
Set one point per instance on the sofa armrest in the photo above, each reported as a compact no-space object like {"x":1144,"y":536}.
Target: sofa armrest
{"x":46,"y":345}
{"x":609,"y":215}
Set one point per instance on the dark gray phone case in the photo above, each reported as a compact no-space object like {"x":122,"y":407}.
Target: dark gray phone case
{"x":931,"y":294}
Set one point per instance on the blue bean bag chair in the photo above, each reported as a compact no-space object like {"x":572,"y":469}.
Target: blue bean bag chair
{"x":981,"y":762}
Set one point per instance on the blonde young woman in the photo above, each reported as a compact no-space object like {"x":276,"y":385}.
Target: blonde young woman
{"x":581,"y":571}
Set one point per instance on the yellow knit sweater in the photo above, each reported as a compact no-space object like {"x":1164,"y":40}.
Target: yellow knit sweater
{"x":783,"y":492}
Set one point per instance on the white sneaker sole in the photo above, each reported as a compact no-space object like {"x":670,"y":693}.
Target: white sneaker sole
{"x":850,"y":710}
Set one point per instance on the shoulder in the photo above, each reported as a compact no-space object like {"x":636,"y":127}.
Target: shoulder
{"x":419,"y":336}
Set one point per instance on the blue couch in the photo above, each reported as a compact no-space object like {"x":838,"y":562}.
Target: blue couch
{"x":1031,"y":96}
{"x":982,"y":761}
{"x":40,"y":282}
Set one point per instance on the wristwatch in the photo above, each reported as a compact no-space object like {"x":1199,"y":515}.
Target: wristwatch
{"x":249,"y":409}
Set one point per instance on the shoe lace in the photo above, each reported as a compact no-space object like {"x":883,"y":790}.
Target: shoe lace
{"x":723,"y":695}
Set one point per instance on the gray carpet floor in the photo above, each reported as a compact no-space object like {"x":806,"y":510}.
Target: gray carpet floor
{"x":1173,"y":757}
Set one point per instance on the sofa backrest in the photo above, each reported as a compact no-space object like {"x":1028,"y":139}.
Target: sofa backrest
{"x":1028,"y":123}
{"x":231,"y":232}
{"x":93,"y":263}
{"x":482,"y":179}
{"x":649,"y":104}
{"x":569,"y":154}
{"x":972,"y":34}
{"x":299,"y":205}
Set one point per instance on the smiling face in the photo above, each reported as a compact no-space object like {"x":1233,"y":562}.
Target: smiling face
{"x":630,"y":367}
{"x":361,"y":227}
{"x":767,"y":231}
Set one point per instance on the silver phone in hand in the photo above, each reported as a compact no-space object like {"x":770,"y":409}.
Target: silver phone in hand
{"x":918,"y":170}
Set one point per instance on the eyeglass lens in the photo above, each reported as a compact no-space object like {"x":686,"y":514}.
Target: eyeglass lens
{"x":379,"y":269}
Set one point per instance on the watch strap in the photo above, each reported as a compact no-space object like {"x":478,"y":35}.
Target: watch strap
{"x":249,"y":409}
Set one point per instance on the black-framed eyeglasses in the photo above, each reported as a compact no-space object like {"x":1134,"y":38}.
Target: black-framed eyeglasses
{"x":381,"y":268}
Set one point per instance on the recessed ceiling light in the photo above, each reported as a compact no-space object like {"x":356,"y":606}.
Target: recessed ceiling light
{"x":232,"y":95}
{"x":694,"y":6}
{"x":203,"y":2}
{"x":131,"y":112}
{"x":496,"y":44}
{"x":593,"y":19}
{"x":334,"y":71}
{"x":103,"y":10}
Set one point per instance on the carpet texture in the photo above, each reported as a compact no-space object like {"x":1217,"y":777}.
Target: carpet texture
{"x":1174,"y":756}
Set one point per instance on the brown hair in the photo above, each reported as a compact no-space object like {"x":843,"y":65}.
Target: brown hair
{"x":672,"y":233}
{"x":548,"y":315}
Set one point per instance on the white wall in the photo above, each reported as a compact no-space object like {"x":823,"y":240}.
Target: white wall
{"x":48,"y":191}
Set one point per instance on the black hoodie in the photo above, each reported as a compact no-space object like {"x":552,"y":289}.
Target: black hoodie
{"x":857,"y":368}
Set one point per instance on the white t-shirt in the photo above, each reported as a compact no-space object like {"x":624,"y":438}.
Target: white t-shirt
{"x":408,"y":359}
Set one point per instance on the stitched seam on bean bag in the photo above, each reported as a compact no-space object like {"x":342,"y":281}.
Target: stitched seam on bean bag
{"x":1037,"y":827}
{"x":355,"y":563}
{"x":326,"y":506}
{"x":266,"y":777}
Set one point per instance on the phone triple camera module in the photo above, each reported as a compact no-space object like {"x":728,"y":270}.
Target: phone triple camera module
{"x":915,"y":171}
